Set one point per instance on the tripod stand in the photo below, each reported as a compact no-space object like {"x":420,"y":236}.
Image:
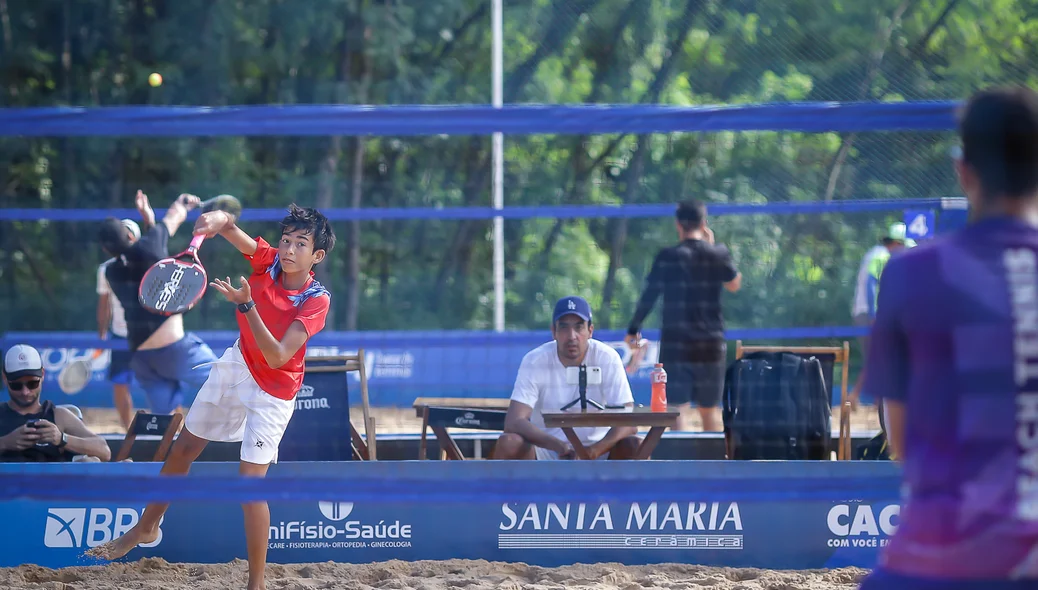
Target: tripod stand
{"x":582,"y":395}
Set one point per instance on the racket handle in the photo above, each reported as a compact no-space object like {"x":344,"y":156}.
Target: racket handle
{"x":196,"y":241}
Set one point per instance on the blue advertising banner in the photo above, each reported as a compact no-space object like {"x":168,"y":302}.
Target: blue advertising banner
{"x":954,"y":214}
{"x":920,"y":224}
{"x":724,"y":517}
{"x":400,"y":365}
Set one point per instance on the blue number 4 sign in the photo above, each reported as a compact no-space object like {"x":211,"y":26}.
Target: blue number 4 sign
{"x":920,"y":224}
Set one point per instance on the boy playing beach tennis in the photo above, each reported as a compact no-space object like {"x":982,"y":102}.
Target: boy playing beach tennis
{"x":250,"y":393}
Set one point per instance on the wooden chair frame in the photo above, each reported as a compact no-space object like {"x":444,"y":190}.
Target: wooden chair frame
{"x":176,"y":420}
{"x":842,"y":356}
{"x":364,"y":448}
{"x":422,"y":404}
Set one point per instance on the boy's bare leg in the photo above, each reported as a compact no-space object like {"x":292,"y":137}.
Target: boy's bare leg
{"x":257,"y":529}
{"x":184,"y":452}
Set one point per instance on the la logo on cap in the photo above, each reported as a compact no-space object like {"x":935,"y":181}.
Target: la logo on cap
{"x":572,"y":305}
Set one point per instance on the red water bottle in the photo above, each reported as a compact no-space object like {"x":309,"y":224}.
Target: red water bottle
{"x":659,"y":389}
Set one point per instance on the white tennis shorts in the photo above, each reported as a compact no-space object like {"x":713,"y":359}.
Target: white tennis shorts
{"x":231,"y":407}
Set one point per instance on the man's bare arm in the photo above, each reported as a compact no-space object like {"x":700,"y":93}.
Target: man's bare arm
{"x":104,"y":314}
{"x":517,"y":421}
{"x":615,"y":435}
{"x":177,"y":212}
{"x":80,"y":440}
{"x":734,"y":284}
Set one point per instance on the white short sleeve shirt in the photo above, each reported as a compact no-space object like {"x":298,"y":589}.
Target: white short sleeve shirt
{"x":118,"y":315}
{"x":541,"y":384}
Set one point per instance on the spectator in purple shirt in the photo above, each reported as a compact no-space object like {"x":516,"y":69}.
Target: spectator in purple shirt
{"x":954,"y":355}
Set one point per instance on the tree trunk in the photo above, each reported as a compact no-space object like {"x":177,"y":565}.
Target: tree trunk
{"x":578,"y":156}
{"x":873,"y":70}
{"x":363,"y":63}
{"x":617,"y":229}
{"x":327,"y":179}
{"x":353,"y":243}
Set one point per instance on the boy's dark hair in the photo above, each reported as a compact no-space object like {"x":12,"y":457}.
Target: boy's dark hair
{"x":999,"y":130}
{"x":313,"y":223}
{"x":691,"y":214}
{"x":113,"y":237}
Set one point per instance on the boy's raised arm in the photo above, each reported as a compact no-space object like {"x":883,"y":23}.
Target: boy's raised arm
{"x":219,"y":222}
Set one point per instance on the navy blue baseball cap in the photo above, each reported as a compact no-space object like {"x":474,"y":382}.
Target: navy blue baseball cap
{"x":577,"y":306}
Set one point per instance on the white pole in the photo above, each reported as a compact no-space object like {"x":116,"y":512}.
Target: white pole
{"x":499,"y":169}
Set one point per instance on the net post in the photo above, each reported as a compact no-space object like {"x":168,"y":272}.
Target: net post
{"x":499,"y":169}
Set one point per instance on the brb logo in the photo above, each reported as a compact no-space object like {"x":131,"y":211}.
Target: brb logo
{"x":862,"y":525}
{"x":73,"y":528}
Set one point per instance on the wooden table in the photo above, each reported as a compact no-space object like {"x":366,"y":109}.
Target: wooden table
{"x":422,"y":405}
{"x":657,"y":422}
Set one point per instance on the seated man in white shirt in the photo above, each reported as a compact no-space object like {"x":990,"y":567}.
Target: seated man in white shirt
{"x":541,"y":386}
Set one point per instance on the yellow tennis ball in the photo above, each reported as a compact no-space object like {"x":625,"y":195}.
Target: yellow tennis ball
{"x":155,"y":79}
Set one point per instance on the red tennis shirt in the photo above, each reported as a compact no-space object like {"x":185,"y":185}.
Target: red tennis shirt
{"x":278,"y":307}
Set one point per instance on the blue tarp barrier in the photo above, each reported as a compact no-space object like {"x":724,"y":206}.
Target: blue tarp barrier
{"x":400,"y":365}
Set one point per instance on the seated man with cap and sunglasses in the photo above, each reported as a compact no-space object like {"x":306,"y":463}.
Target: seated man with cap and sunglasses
{"x":35,"y":432}
{"x":543,"y":385}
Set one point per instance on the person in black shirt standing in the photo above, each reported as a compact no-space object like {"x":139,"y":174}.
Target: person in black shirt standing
{"x":170,"y":365}
{"x":690,"y":277}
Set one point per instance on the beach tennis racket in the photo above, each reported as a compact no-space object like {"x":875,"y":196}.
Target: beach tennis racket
{"x":174,"y":285}
{"x":74,"y":377}
{"x":227,"y":203}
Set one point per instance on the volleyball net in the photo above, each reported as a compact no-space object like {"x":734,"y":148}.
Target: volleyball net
{"x":589,"y":193}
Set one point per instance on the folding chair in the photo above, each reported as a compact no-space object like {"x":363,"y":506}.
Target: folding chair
{"x":362,"y":451}
{"x":442,"y":418}
{"x":143,"y":423}
{"x":322,"y":427}
{"x":841,"y":355}
{"x":74,"y":409}
{"x":422,"y":406}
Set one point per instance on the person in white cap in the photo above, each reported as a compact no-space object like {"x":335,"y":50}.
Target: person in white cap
{"x":111,"y":319}
{"x":34,"y":432}
{"x":866,"y":293}
{"x":864,"y":306}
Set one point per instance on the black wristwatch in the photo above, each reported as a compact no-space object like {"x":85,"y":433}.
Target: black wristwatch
{"x":245,"y":307}
{"x":64,"y":441}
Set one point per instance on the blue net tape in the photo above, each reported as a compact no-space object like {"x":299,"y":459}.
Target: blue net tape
{"x":153,"y":488}
{"x":416,"y":120}
{"x":417,"y":339}
{"x":527,"y":212}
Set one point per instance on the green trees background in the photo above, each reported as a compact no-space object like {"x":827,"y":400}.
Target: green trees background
{"x":428,"y":274}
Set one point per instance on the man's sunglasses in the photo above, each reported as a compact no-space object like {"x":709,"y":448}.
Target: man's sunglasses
{"x":20,"y":385}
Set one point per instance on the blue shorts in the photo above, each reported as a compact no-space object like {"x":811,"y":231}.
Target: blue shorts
{"x":881,"y":579}
{"x":119,"y":371}
{"x":168,"y":374}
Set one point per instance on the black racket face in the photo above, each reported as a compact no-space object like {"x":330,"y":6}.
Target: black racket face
{"x":172,"y":287}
